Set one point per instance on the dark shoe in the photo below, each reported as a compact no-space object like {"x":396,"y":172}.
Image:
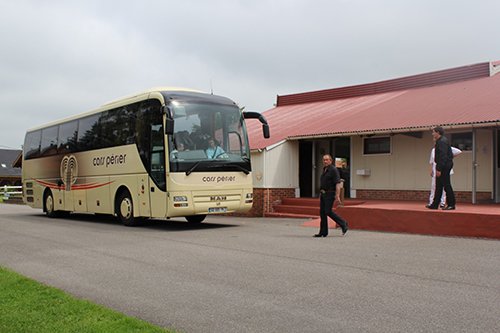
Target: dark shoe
{"x":449,"y":208}
{"x":431,"y":207}
{"x":345,"y":230}
{"x":319,"y":235}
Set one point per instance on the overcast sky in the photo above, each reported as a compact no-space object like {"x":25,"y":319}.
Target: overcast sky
{"x":59,"y":58}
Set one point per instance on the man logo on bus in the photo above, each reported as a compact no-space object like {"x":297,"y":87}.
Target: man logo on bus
{"x":69,"y":171}
{"x":218,"y":198}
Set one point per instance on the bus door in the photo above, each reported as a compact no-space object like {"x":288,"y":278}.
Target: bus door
{"x":157,"y":183}
{"x":150,"y":143}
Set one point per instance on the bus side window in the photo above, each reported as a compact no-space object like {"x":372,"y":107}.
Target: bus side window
{"x":117,"y":126}
{"x":87,"y":133}
{"x":67,"y":137}
{"x":126,"y":123}
{"x":32,"y":144}
{"x":107,"y":131}
{"x":49,"y":141}
{"x":143,"y":130}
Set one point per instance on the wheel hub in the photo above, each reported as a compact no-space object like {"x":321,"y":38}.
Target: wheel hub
{"x":126,"y":208}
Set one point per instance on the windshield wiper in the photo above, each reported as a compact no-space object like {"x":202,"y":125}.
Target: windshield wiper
{"x":191,"y":169}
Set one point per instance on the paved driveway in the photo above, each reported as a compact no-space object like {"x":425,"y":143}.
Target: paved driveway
{"x":260,"y":275}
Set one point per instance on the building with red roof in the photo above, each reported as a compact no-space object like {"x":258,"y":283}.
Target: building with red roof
{"x":381,"y":133}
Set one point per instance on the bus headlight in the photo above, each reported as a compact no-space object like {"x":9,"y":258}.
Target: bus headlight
{"x":249,"y":198}
{"x":180,"y":201}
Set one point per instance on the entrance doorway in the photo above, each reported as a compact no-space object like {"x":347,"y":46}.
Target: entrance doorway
{"x":310,"y":163}
{"x":496,"y":166}
{"x":305,"y":168}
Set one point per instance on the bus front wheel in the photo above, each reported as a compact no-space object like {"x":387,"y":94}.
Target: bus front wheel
{"x":125,"y":209}
{"x":195,"y":219}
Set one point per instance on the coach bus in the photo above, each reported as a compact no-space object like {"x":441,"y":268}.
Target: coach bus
{"x":159,"y":154}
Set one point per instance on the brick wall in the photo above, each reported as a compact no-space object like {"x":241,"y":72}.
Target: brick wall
{"x":265,"y":199}
{"x":460,"y":196}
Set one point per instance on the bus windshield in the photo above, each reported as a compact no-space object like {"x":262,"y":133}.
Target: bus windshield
{"x":208,"y":137}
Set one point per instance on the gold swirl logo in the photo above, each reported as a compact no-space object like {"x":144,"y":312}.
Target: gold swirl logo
{"x":69,"y":171}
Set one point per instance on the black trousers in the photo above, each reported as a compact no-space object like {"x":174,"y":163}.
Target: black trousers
{"x":326,"y":201}
{"x":444,"y":181}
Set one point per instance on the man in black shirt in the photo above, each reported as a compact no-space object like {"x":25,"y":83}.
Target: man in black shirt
{"x":329,"y":193}
{"x":443,"y":157}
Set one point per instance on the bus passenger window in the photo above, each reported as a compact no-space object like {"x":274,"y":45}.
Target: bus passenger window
{"x":88,"y":132}
{"x":67,"y":137}
{"x":49,"y":141}
{"x":32,"y":144}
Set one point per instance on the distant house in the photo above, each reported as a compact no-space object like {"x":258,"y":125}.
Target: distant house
{"x":9,"y":175}
{"x":382,"y":132}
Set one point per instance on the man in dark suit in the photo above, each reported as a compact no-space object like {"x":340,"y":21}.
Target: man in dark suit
{"x":329,"y":193}
{"x":443,"y":157}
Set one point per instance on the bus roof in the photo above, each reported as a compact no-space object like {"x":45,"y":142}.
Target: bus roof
{"x":119,"y":102}
{"x":147,"y":92}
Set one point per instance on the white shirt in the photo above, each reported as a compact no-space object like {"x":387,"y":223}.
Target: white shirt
{"x":214,"y":152}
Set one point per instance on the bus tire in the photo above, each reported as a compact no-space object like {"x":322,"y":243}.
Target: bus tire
{"x":125,"y":209}
{"x":48,"y":204}
{"x":195,"y":219}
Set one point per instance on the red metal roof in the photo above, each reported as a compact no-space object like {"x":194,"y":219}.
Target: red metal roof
{"x":460,"y":96}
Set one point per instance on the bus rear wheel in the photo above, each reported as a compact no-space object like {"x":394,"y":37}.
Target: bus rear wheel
{"x":125,"y":209}
{"x":48,"y":200}
{"x":195,"y":219}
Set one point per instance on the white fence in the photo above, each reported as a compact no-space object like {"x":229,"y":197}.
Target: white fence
{"x":11,"y":193}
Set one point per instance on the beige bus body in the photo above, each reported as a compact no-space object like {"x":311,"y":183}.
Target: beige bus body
{"x":114,"y":180}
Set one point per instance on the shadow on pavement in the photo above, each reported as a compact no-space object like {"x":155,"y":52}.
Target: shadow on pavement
{"x":177,"y":224}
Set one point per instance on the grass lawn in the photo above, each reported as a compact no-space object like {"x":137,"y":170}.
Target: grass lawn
{"x":28,"y":306}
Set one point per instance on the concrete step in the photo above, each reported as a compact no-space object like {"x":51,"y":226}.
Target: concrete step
{"x":304,"y":207}
{"x":303,"y":202}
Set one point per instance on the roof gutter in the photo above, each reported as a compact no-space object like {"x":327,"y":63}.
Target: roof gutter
{"x":396,"y":131}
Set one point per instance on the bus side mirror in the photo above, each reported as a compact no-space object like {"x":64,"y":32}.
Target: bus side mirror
{"x":262,"y":119}
{"x":265,"y":131}
{"x":169,"y":126}
{"x":169,"y":121}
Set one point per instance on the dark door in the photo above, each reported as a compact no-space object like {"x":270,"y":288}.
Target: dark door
{"x":497,"y":168}
{"x":305,"y":168}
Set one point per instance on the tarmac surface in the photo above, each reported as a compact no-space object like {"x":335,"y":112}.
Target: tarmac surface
{"x":260,"y":274}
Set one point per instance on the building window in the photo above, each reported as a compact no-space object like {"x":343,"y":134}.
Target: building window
{"x":379,"y":145}
{"x":462,"y":141}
